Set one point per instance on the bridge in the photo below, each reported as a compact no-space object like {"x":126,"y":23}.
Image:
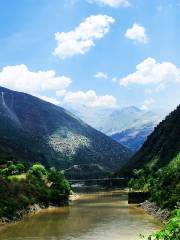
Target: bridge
{"x":118,"y":182}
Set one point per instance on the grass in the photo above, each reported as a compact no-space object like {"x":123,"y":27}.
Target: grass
{"x":17,"y":177}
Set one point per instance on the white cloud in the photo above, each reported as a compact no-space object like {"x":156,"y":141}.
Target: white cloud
{"x":147,"y":103}
{"x":51,"y":100}
{"x":20,"y":78}
{"x":112,"y":3}
{"x":90,"y":99}
{"x":83,"y":37}
{"x":61,"y":93}
{"x":101,"y":75}
{"x":51,"y":88}
{"x":137,"y":33}
{"x":151,"y":72}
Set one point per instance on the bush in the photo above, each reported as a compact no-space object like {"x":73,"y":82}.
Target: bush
{"x":38,"y":170}
{"x":58,"y":181}
{"x":171,"y":230}
{"x":163,"y":184}
{"x":40,"y":186}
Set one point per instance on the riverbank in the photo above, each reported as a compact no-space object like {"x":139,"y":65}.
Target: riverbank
{"x":29,"y":211}
{"x":102,"y":215}
{"x":151,"y":208}
{"x":38,"y":189}
{"x":20,"y":214}
{"x":34,"y":209}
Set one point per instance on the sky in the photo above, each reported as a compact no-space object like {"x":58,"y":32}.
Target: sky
{"x":96,"y":53}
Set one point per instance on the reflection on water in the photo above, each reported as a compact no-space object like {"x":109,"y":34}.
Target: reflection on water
{"x":100,"y":216}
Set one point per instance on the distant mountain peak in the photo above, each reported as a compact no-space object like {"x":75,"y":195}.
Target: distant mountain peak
{"x":132,"y":108}
{"x":119,"y":122}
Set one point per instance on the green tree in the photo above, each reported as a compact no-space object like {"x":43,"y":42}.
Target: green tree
{"x":20,"y":167}
{"x":38,"y":170}
{"x":59,"y":181}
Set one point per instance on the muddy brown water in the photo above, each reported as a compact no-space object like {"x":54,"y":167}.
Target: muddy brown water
{"x":97,"y":216}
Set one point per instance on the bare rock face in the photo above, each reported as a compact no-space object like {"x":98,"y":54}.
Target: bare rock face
{"x":34,"y":130}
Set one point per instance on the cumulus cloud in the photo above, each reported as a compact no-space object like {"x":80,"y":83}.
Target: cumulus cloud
{"x":151,"y":72}
{"x":112,"y":3}
{"x":61,"y":93}
{"x":50,"y":99}
{"x":146,"y":104}
{"x":20,"y":78}
{"x":90,"y":99}
{"x":83,"y":37}
{"x":101,"y":75}
{"x":51,"y":88}
{"x":137,"y":33}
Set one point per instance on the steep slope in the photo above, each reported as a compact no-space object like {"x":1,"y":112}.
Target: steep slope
{"x":156,"y":167}
{"x":161,"y":147}
{"x":34,"y":130}
{"x":134,"y":138}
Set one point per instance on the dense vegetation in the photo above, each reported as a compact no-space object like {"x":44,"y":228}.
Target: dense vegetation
{"x":156,"y":169}
{"x":163,"y":184}
{"x":164,"y":188}
{"x":35,"y":130}
{"x":171,"y":231}
{"x":21,"y":188}
{"x":161,"y":147}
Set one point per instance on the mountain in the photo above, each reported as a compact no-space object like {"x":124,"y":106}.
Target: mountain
{"x":129,"y":126}
{"x":134,"y":138}
{"x":161,"y":147}
{"x":34,"y":130}
{"x":156,"y":166}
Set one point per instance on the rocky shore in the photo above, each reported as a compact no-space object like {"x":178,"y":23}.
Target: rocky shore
{"x":30,"y":210}
{"x":151,"y":208}
{"x":22,"y":213}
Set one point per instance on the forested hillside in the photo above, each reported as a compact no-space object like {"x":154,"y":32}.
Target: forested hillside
{"x":156,"y":169}
{"x":161,"y":147}
{"x":33,"y":130}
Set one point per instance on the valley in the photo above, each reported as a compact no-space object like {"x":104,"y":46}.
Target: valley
{"x":51,"y":136}
{"x":129,"y":126}
{"x":89,"y":120}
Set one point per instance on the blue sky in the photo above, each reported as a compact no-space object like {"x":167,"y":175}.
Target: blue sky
{"x":95,"y":62}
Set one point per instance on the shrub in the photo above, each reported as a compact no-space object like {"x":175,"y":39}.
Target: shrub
{"x":40,"y":186}
{"x":171,"y":231}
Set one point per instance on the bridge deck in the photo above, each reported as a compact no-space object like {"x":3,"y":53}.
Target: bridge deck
{"x":95,"y":179}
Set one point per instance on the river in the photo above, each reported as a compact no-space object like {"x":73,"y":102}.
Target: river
{"x":98,"y":216}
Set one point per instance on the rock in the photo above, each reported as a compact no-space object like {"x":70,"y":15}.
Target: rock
{"x":151,"y":208}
